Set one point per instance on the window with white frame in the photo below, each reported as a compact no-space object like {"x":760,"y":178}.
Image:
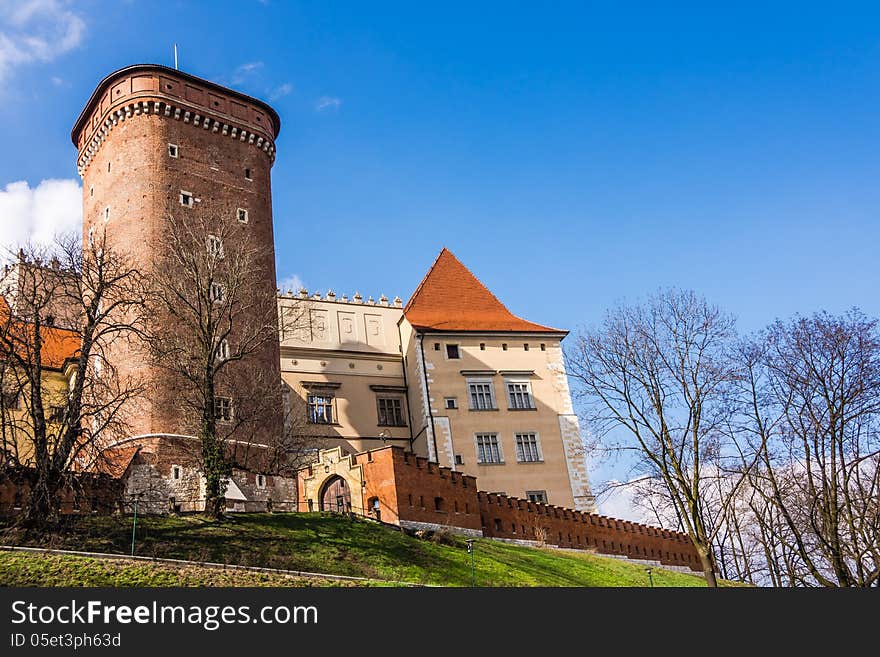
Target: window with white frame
{"x":218,"y":292}
{"x":242,"y":215}
{"x":451,"y":403}
{"x":223,"y":409}
{"x":488,"y":448}
{"x":519,"y":395}
{"x":176,"y":472}
{"x":223,"y":350}
{"x":452,"y":352}
{"x":537,"y":496}
{"x":186,"y":199}
{"x":91,"y":237}
{"x":215,"y":246}
{"x":173,"y":150}
{"x":481,"y":394}
{"x":391,"y":412}
{"x":528,"y":449}
{"x":106,"y":214}
{"x":261,"y":481}
{"x":320,"y":408}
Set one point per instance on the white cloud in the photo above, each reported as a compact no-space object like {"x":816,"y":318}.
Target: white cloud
{"x":292,"y":282}
{"x":37,"y":215}
{"x":328,"y":103}
{"x":36,"y":31}
{"x":241,"y":73}
{"x":279,"y":92}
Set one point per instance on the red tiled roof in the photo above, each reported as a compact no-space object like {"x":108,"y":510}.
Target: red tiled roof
{"x":451,"y":298}
{"x":115,"y":460}
{"x":58,"y":345}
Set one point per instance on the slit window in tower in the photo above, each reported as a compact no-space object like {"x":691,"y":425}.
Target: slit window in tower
{"x":172,"y":150}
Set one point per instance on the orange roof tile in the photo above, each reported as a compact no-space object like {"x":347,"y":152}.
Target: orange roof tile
{"x":451,"y":298}
{"x":58,"y":345}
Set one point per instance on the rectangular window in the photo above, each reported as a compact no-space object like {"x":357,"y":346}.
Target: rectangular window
{"x":526,"y":346}
{"x":223,"y":409}
{"x":537,"y":496}
{"x":459,"y":460}
{"x":261,"y":481}
{"x":11,"y":401}
{"x":247,"y":174}
{"x":391,"y":412}
{"x":106,"y":215}
{"x":175,"y":472}
{"x":223,"y":350}
{"x":218,"y":292}
{"x":482,"y":346}
{"x":543,"y":347}
{"x":436,"y":346}
{"x":452,"y":352}
{"x":519,"y":395}
{"x":172,"y":150}
{"x":481,"y":395}
{"x":527,"y":448}
{"x":488,"y":448}
{"x":242,"y":215}
{"x":320,"y":409}
{"x":451,"y":402}
{"x":503,"y":346}
{"x":215,"y":246}
{"x":186,"y":199}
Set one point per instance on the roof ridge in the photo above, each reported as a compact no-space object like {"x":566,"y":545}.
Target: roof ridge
{"x":452,"y":297}
{"x":424,"y":278}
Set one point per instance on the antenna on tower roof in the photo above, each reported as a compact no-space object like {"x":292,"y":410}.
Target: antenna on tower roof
{"x":175,"y":58}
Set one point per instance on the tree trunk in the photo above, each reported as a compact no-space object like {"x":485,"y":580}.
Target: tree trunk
{"x":708,"y":566}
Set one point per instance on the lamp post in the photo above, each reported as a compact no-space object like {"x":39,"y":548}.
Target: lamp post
{"x":650,"y":577}
{"x":134,"y":521}
{"x":470,"y":549}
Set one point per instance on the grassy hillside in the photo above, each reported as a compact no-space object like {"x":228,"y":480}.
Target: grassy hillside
{"x":322,"y":543}
{"x":30,"y":569}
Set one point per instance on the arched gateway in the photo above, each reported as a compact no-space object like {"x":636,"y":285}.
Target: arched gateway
{"x":336,"y":495}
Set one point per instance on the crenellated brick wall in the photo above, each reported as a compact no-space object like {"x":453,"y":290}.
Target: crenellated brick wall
{"x":413,"y":492}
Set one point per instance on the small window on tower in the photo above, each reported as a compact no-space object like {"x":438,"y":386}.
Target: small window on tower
{"x":106,"y":214}
{"x":218,"y":292}
{"x":172,"y":150}
{"x":503,"y":346}
{"x":247,"y":174}
{"x":108,"y":167}
{"x":452,"y":352}
{"x":242,"y":215}
{"x":215,"y":246}
{"x":92,"y":190}
{"x":186,"y":199}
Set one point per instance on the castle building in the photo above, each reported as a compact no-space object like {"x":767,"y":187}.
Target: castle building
{"x":153,"y":143}
{"x":454,"y":377}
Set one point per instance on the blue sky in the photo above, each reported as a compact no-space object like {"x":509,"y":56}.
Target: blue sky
{"x":572,"y":154}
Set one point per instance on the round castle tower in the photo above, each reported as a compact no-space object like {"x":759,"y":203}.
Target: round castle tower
{"x":148,"y":136}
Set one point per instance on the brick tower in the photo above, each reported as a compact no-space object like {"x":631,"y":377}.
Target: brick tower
{"x":152,"y":142}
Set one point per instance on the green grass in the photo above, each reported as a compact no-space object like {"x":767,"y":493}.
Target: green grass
{"x":30,"y":569}
{"x":322,"y":543}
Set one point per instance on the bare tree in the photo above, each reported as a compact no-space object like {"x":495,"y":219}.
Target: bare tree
{"x":811,"y":399}
{"x":653,"y":379}
{"x":211,"y":292}
{"x":66,"y":308}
